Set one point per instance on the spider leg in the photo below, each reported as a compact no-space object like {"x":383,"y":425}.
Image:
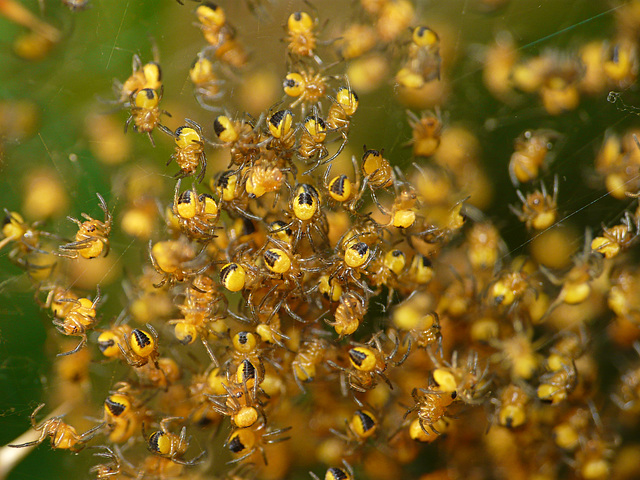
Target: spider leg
{"x":193,"y":461}
{"x":82,"y":343}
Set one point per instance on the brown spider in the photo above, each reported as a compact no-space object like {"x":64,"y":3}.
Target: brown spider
{"x":92,"y":239}
{"x":62,"y":435}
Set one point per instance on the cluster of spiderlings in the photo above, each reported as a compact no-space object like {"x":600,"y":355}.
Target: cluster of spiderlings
{"x":307,"y":307}
{"x":561,"y":77}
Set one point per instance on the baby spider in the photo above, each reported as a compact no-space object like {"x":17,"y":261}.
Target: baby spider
{"x":305,"y":364}
{"x":468,"y":381}
{"x":350,"y":312}
{"x":208,"y":87}
{"x":402,"y":213}
{"x":283,"y":274}
{"x":348,"y":267}
{"x":118,"y":466}
{"x":335,"y":473}
{"x":539,"y":209}
{"x":314,"y":133}
{"x":265,"y":177}
{"x":556,"y":386}
{"x":338,"y":120}
{"x":77,"y":319}
{"x":175,"y":260}
{"x":242,"y":137}
{"x":431,"y":406}
{"x":27,"y":251}
{"x":426,"y":132}
{"x":367,"y":361}
{"x":362,"y":426}
{"x":617,"y":238}
{"x":282,"y":130}
{"x":423,"y":61}
{"x":189,"y":154}
{"x":343,"y":191}
{"x":169,"y":445}
{"x":241,"y":403}
{"x":233,"y":195}
{"x":140,"y":347}
{"x":576,"y":284}
{"x":377,"y":170}
{"x":203,"y":306}
{"x":244,"y":442}
{"x":308,"y":87}
{"x":196,"y":214}
{"x":92,"y":239}
{"x":512,"y":407}
{"x":301,"y":38}
{"x":628,"y":386}
{"x":62,"y":435}
{"x":306,"y":215}
{"x":531,"y":153}
{"x":344,"y":106}
{"x":148,"y":75}
{"x":145,"y":112}
{"x":213,"y":23}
